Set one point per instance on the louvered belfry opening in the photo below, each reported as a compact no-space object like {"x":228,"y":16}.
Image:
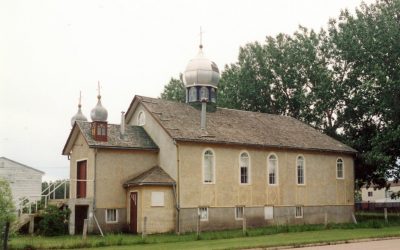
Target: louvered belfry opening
{"x":99,"y":130}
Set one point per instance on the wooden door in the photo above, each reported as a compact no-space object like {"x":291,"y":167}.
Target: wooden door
{"x":81,"y":180}
{"x":81,"y":213}
{"x":133,"y":213}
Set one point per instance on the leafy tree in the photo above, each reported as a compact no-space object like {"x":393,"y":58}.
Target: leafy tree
{"x":174,"y":90}
{"x":7,"y":209}
{"x":368,"y":42}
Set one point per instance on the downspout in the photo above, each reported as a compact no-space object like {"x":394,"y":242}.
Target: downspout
{"x":177,"y":194}
{"x":94,"y":193}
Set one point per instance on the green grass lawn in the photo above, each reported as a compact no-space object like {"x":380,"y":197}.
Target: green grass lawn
{"x":370,"y":225}
{"x":189,"y":241}
{"x":282,"y":239}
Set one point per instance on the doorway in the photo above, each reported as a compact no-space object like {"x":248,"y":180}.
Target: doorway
{"x":81,"y":213}
{"x":133,"y":213}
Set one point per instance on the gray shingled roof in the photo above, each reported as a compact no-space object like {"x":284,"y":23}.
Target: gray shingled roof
{"x":155,"y":176}
{"x":227,"y":126}
{"x":134,"y":138}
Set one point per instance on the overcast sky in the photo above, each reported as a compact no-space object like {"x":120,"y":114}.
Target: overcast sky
{"x":51,"y":50}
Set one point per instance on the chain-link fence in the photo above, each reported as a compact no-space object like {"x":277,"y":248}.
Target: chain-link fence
{"x":392,"y":207}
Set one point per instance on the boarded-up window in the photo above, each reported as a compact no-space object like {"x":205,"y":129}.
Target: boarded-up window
{"x":157,"y":199}
{"x":239,"y":213}
{"x":268,"y":213}
{"x":208,"y":167}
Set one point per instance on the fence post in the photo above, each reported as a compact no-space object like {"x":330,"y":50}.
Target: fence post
{"x":144,"y":227}
{"x":244,"y":225}
{"x":198,"y":226}
{"x":85,"y":226}
{"x":386,"y":216}
{"x":354,"y":218}
{"x":31,"y":224}
{"x":326,"y":219}
{"x":65,"y":190}
{"x":6,"y":231}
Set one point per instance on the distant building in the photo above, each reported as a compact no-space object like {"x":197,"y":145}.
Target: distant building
{"x":169,"y":166}
{"x":373,"y":194}
{"x":25,"y":181}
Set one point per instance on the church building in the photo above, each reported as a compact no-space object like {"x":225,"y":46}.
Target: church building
{"x":170,"y":166}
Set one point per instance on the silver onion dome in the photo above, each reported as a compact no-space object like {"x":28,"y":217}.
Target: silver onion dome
{"x":201,"y":71}
{"x":78,"y":116}
{"x":99,"y":113}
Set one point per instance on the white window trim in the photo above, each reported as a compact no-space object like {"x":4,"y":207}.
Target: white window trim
{"x":248,"y":169}
{"x":236,"y":217}
{"x":202,"y":166}
{"x":304,"y":171}
{"x":337,"y":177}
{"x":295,"y":212}
{"x":276,"y":170}
{"x":116,"y":216}
{"x":198,"y":211}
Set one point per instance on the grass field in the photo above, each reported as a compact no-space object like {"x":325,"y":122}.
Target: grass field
{"x":229,"y":239}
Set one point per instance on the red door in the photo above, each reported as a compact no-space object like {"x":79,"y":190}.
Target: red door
{"x":81,"y":180}
{"x":133,"y":214}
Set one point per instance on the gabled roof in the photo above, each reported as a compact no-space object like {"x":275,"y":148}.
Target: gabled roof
{"x":23,"y":165}
{"x":155,"y":176}
{"x":135,"y":137}
{"x":227,"y":126}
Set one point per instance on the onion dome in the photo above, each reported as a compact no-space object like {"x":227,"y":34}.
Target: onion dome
{"x":201,"y":71}
{"x":201,"y":79}
{"x":99,"y":113}
{"x":78,"y":116}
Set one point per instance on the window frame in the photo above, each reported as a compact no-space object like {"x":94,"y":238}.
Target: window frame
{"x":141,"y":119}
{"x":337,"y":168}
{"x":212,"y":167}
{"x":276,"y":177}
{"x":248,"y":168}
{"x":116,"y":215}
{"x":298,"y":209}
{"x":237,"y":208}
{"x":370,"y":192}
{"x":303,"y":170}
{"x":199,"y":209}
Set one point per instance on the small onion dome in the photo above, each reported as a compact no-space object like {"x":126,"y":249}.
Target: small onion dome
{"x":201,"y":71}
{"x":99,"y":113}
{"x":78,"y":116}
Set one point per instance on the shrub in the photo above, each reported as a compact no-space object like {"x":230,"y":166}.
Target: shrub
{"x":54,"y":222}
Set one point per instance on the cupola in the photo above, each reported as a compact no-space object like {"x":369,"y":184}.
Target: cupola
{"x":79,"y":115}
{"x":201,"y":79}
{"x":99,"y":120}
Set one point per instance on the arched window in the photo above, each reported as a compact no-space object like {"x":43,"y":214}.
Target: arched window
{"x":272,"y":169}
{"x":213,"y":96}
{"x":141,"y":120}
{"x":244,"y":168}
{"x":204,"y":93}
{"x":208,"y":166}
{"x":339,"y":169}
{"x":192,"y":94}
{"x":300,"y":170}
